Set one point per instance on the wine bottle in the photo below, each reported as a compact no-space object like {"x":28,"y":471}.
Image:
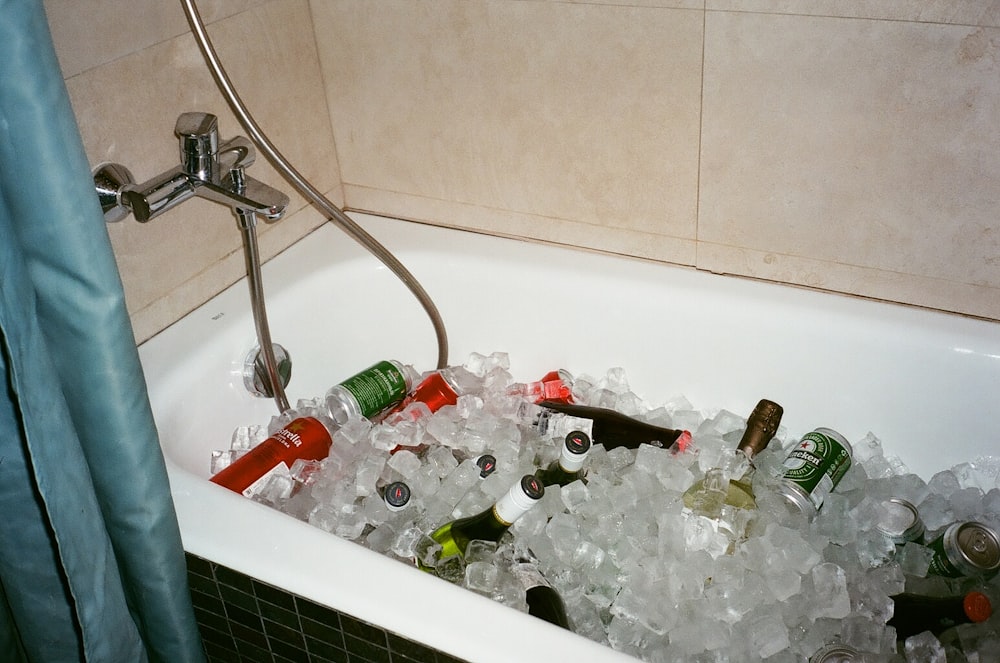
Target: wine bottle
{"x":569,"y":466}
{"x":707,"y":496}
{"x":488,"y":525}
{"x":308,"y":438}
{"x":916,"y":613}
{"x":371,"y":391}
{"x":543,"y":600}
{"x":609,"y":427}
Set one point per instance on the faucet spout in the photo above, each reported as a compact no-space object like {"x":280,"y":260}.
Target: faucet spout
{"x":255,"y":197}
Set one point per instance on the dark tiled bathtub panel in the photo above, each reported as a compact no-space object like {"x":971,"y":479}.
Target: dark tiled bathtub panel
{"x":243,"y":620}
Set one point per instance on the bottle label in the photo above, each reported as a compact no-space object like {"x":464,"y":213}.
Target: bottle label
{"x":377,"y":387}
{"x":258,"y":485}
{"x":816,"y":465}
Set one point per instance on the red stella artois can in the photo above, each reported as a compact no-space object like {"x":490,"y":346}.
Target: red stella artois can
{"x":813,"y":469}
{"x":965,"y":549}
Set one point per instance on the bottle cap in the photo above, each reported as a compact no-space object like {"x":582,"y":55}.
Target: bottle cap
{"x":574,"y":451}
{"x":532,"y":488}
{"x":396,"y":495}
{"x":487,"y":463}
{"x":762,"y":424}
{"x":977,"y":607}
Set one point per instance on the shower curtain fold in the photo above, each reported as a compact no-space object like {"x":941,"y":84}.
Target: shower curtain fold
{"x":91,"y":564}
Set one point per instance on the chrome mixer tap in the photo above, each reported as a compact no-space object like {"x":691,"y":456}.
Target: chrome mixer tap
{"x":208,"y":169}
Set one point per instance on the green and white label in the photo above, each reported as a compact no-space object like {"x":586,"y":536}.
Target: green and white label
{"x":377,"y":387}
{"x":816,"y":465}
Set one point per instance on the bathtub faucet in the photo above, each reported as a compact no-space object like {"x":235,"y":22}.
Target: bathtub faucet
{"x":208,"y":169}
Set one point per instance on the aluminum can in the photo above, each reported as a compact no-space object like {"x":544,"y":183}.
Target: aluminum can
{"x":814,"y":468}
{"x":899,"y":521}
{"x":836,"y":653}
{"x":965,"y":549}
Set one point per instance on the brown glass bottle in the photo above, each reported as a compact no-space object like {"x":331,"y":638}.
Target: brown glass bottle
{"x":916,"y":613}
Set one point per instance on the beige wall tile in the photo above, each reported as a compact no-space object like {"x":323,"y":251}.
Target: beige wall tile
{"x":858,"y":144}
{"x":985,"y":13}
{"x":837,"y":152}
{"x":574,"y":112}
{"x":89,"y":33}
{"x":132,"y":123}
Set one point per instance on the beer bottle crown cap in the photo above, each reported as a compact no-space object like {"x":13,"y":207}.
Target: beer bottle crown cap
{"x":977,"y":607}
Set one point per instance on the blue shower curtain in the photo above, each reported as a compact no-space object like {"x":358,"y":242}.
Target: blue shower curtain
{"x":91,"y":566}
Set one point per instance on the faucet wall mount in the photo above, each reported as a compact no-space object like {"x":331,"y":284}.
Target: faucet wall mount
{"x":208,"y":168}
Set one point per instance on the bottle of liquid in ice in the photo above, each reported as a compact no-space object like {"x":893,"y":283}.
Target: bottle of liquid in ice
{"x":543,"y":600}
{"x":554,"y":386}
{"x":569,"y":466}
{"x":732,"y":482}
{"x":371,"y":391}
{"x":488,"y":525}
{"x":436,"y":390}
{"x":604,"y":426}
{"x":306,"y":438}
{"x":916,"y":613}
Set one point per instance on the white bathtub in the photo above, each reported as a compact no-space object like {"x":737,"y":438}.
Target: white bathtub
{"x":924,"y":382}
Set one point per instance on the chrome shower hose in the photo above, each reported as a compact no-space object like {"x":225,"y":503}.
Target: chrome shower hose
{"x":296,"y":179}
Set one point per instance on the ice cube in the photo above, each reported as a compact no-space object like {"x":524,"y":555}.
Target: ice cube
{"x":405,"y":462}
{"x":914,"y":559}
{"x":381,"y":538}
{"x":574,"y":495}
{"x":481,"y":577}
{"x":924,"y":648}
{"x":831,"y":598}
{"x":768,"y":634}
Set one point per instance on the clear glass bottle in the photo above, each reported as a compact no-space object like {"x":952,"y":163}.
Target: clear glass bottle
{"x":569,"y":466}
{"x":488,"y":525}
{"x":371,"y":391}
{"x":731,"y":484}
{"x":306,"y":438}
{"x":554,"y":386}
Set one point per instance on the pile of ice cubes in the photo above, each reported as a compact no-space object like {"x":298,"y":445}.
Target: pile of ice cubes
{"x":635,"y":572}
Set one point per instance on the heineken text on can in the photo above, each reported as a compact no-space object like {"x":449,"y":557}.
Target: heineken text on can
{"x":965,"y":549}
{"x":817,"y":464}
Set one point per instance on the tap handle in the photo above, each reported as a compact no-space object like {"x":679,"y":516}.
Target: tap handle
{"x":198,"y":134}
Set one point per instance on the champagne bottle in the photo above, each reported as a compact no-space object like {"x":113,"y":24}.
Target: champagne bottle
{"x":308,"y":438}
{"x":916,"y":613}
{"x":707,"y":496}
{"x":569,"y":466}
{"x":489,"y":525}
{"x":608,"y":427}
{"x":543,"y":600}
{"x":371,"y":391}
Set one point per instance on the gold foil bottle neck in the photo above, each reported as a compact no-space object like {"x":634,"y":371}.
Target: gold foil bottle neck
{"x":762,"y":424}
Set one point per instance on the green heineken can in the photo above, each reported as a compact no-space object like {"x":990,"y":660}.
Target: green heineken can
{"x":814,"y":468}
{"x":965,"y":549}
